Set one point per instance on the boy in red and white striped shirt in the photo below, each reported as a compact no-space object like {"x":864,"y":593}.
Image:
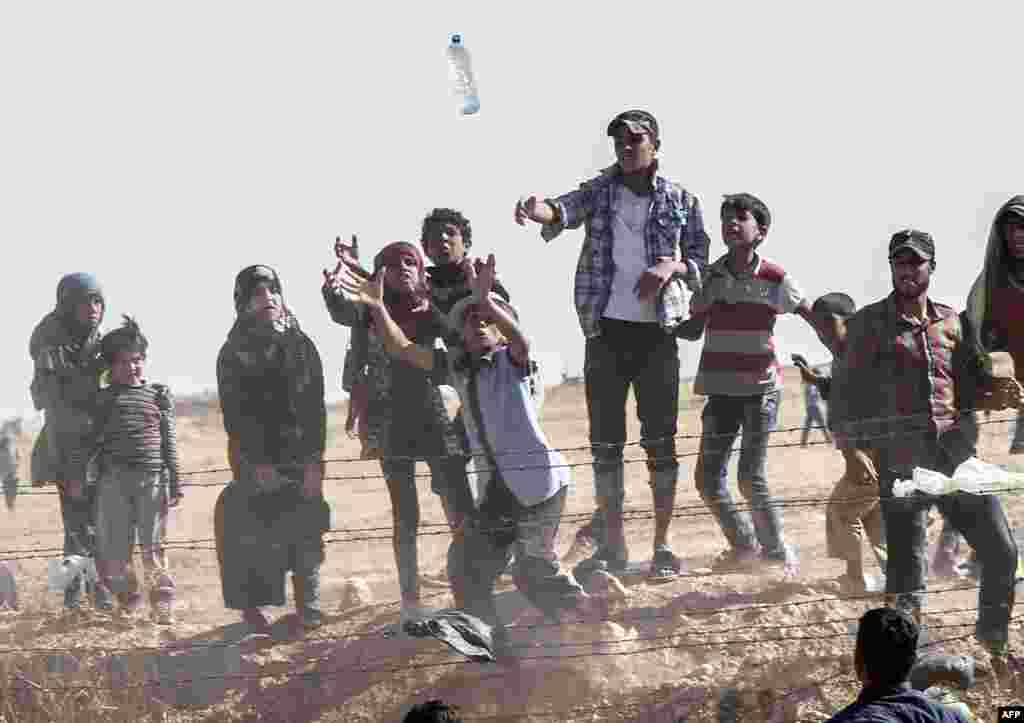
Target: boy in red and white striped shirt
{"x":739,"y":372}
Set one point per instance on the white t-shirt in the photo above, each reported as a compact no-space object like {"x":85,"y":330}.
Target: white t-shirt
{"x":630,"y":258}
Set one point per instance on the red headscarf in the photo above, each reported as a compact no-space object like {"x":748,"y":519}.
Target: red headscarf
{"x":406,"y":308}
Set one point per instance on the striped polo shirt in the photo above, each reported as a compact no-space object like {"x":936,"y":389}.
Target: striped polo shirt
{"x":739,"y":310}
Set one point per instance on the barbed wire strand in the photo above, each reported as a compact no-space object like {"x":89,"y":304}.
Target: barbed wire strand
{"x":34,"y":490}
{"x":627,"y":619}
{"x":359,"y":668}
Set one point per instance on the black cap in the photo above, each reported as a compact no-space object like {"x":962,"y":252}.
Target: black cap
{"x":919,"y":242}
{"x":836,"y":304}
{"x":638,"y":121}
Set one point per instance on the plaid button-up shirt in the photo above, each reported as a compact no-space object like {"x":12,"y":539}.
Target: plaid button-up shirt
{"x":674,"y":229}
{"x":902,"y":380}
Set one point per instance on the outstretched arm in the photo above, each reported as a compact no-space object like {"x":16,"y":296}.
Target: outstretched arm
{"x":556,"y":214}
{"x":370,"y":293}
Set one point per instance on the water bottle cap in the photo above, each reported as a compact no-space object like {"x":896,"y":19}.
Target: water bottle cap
{"x":456,"y":39}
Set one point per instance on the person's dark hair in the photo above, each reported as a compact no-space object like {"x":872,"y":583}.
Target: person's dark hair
{"x":448,"y":215}
{"x":835,"y":303}
{"x":887,"y":644}
{"x":127,"y":338}
{"x":433,"y":711}
{"x":747,"y":202}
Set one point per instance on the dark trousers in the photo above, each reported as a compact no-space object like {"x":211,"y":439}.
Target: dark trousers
{"x":500,"y":528}
{"x":79,"y":518}
{"x":979,"y":518}
{"x":641,"y":356}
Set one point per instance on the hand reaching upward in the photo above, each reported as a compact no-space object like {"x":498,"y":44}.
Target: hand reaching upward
{"x":359,"y":290}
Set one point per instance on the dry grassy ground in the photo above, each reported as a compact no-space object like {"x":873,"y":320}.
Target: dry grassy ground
{"x":781,"y":652}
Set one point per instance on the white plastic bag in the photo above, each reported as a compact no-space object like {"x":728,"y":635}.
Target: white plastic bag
{"x":61,"y":573}
{"x":972,"y":476}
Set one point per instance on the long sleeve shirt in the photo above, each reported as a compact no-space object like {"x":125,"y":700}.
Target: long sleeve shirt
{"x":901,"y":378}
{"x":674,"y":229}
{"x":133,"y":426}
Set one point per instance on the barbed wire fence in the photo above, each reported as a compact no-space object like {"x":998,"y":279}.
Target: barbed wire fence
{"x":743,"y":635}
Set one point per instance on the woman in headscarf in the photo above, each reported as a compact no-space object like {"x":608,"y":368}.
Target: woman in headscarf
{"x":995,"y":306}
{"x":272,"y":517}
{"x":65,"y":351}
{"x":405,"y":415}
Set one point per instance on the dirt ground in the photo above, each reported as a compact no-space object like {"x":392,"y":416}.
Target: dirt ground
{"x":701,"y":648}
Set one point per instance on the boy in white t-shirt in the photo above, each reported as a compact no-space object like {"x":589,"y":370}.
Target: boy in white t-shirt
{"x":521,"y":483}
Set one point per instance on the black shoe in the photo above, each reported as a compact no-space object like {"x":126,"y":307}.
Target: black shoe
{"x":665,"y":565}
{"x":604,"y":560}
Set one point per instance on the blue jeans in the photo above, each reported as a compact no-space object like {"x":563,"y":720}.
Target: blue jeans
{"x":814,"y":420}
{"x":722,"y":418}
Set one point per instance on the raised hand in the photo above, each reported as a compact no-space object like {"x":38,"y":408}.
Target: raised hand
{"x":359,"y":290}
{"x":653,"y":279}
{"x":348,"y":253}
{"x":348,"y":258}
{"x":534,"y":208}
{"x":484,"y":280}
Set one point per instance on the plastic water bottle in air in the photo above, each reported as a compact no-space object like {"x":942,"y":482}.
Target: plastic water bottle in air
{"x":461,"y":71}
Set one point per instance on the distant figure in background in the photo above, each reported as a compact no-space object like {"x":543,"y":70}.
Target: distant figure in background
{"x":65,"y":348}
{"x":433,"y":711}
{"x":813,"y":419}
{"x":885,"y":654}
{"x":10,"y":431}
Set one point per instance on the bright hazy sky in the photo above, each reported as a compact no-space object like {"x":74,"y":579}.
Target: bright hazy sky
{"x":164,"y":146}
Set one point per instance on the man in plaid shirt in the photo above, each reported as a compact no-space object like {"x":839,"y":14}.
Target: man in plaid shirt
{"x":905,"y":389}
{"x":644,"y":244}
